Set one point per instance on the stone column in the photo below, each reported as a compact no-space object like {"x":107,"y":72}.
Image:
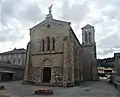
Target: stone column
{"x":45,"y":44}
{"x":41,"y":75}
{"x":65,"y":66}
{"x":51,"y":44}
{"x":95,"y":73}
{"x":27,"y":63}
{"x":78,"y":65}
{"x":72,"y":61}
{"x":52,"y":81}
{"x":81,"y":64}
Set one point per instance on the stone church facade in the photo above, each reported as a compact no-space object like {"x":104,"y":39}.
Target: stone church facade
{"x":55,"y":55}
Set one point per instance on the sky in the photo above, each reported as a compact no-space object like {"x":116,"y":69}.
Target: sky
{"x":18,"y":16}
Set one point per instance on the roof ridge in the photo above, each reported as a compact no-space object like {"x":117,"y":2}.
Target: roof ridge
{"x":88,"y":25}
{"x":14,"y":50}
{"x":49,"y":20}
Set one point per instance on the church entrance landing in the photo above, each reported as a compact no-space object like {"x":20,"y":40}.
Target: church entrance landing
{"x":46,"y":75}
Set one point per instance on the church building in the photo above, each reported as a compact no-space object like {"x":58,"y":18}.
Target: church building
{"x":55,"y":55}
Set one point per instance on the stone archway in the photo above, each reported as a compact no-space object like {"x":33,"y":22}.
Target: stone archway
{"x":46,"y":70}
{"x":47,"y":63}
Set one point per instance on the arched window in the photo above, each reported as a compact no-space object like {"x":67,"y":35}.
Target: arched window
{"x":13,"y":61}
{"x":18,"y":61}
{"x":43,"y":44}
{"x":90,"y":37}
{"x":48,"y":43}
{"x":53,"y":43}
{"x":86,"y":39}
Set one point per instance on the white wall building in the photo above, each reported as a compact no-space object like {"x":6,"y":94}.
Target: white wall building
{"x":15,"y":56}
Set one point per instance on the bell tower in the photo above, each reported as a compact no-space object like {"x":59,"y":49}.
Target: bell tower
{"x":89,"y":48}
{"x":88,"y":36}
{"x":88,"y":40}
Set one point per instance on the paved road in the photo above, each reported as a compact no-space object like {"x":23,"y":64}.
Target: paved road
{"x":96,"y":89}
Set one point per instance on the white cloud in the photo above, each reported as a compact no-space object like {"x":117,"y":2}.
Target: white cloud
{"x":17,"y":16}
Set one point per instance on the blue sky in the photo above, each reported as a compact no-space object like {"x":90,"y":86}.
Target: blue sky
{"x":17,"y":16}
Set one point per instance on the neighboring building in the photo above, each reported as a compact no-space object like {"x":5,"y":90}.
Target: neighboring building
{"x":9,"y":72}
{"x":117,"y":63}
{"x":55,"y":55}
{"x":102,"y":71}
{"x":15,"y":56}
{"x":12,"y":64}
{"x":116,"y":78}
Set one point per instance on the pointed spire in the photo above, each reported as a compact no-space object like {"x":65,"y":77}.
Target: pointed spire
{"x":49,"y":16}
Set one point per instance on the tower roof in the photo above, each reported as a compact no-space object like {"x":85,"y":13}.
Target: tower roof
{"x":88,"y":26}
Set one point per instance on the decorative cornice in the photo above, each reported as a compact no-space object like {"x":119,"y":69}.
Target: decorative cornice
{"x":46,"y":53}
{"x":50,"y":24}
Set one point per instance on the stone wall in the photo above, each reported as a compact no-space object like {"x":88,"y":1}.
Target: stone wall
{"x":37,"y":34}
{"x":17,"y":73}
{"x":77,"y":51}
{"x":94,"y":69}
{"x":68,"y":67}
{"x":87,"y":67}
{"x":117,"y":63}
{"x":90,"y":51}
{"x":54,"y":61}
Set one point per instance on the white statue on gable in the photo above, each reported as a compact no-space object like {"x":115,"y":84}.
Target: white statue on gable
{"x":49,"y":16}
{"x":50,"y":9}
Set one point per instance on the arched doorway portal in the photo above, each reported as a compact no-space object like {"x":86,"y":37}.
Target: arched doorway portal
{"x":46,"y":74}
{"x":47,"y":71}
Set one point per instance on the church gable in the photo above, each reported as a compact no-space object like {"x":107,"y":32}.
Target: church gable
{"x":49,"y":22}
{"x":52,"y":23}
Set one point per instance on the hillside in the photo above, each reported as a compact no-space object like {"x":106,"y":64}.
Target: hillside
{"x":107,"y":62}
